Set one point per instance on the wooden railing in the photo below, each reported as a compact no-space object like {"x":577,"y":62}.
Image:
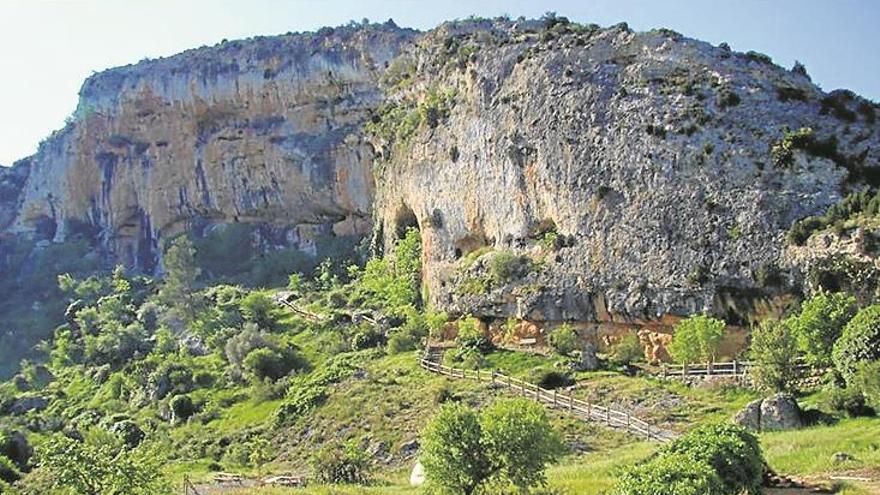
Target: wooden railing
{"x":734,"y":369}
{"x":582,"y":409}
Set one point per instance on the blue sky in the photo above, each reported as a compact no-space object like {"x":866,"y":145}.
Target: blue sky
{"x":49,"y":46}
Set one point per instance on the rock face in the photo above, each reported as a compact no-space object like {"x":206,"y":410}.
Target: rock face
{"x":259,"y":131}
{"x":632,"y":171}
{"x":557,"y":172}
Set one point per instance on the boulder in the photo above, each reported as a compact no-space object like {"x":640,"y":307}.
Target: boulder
{"x":409,"y":449}
{"x":417,"y":477}
{"x":780,"y":412}
{"x":774,"y":413}
{"x":750,"y":416}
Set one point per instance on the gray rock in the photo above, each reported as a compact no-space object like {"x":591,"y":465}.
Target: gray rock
{"x":780,"y":412}
{"x":841,"y":457}
{"x":750,"y":416}
{"x":24,"y":405}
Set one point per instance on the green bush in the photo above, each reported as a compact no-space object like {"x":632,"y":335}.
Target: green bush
{"x":506,"y":266}
{"x":675,"y":474}
{"x":341,"y":463}
{"x":847,"y":401}
{"x":182,"y":407}
{"x":820,"y":323}
{"x":859,"y":343}
{"x":732,"y":452}
{"x":299,"y":401}
{"x":867,"y":380}
{"x":128,"y":431}
{"x":273,"y":364}
{"x":564,"y":339}
{"x":696,"y":339}
{"x":628,"y":350}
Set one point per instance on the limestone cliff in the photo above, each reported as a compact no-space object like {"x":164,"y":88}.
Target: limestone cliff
{"x":564,"y":172}
{"x":264,"y":130}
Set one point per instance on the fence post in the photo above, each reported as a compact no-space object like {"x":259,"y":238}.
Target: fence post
{"x":663,"y":370}
{"x":709,"y":368}
{"x":478,"y":374}
{"x":608,"y":415}
{"x":684,"y":370}
{"x":570,"y":401}
{"x":735,"y":368}
{"x":554,"y":398}
{"x":493,"y":376}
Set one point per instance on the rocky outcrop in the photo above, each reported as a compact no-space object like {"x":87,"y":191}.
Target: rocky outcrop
{"x":260,"y":131}
{"x":635,"y":173}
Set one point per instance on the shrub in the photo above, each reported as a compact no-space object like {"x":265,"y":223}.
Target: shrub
{"x":554,"y":379}
{"x":782,"y":151}
{"x":867,"y":380}
{"x":696,"y":338}
{"x":182,"y":407}
{"x":627,"y":350}
{"x":506,"y":266}
{"x":773,"y":351}
{"x":471,"y":337}
{"x":366,"y":337}
{"x":820,"y":323}
{"x":860,"y":342}
{"x":731,"y":451}
{"x":670,"y":475}
{"x":341,"y":463}
{"x":848,"y":401}
{"x":273,"y":364}
{"x":564,"y":339}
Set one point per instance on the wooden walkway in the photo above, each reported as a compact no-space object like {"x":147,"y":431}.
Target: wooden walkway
{"x":581,"y":409}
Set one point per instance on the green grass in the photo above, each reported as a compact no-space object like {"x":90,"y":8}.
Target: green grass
{"x":809,"y":451}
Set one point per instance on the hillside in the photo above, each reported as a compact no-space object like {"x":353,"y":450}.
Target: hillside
{"x":231,"y":262}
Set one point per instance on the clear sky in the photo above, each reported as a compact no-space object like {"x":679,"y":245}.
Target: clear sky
{"x":49,"y":46}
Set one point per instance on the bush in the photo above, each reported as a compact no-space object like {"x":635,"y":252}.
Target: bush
{"x":731,"y":451}
{"x":554,"y":379}
{"x":773,"y":351}
{"x":506,"y":266}
{"x":367,"y":336}
{"x":820,"y":323}
{"x":268,"y":363}
{"x":848,"y":401}
{"x":182,"y":407}
{"x":471,"y":337}
{"x":628,"y":350}
{"x":696,"y":339}
{"x":867,"y":380}
{"x":670,"y":475}
{"x":341,"y":463}
{"x":860,"y":342}
{"x":564,"y":339}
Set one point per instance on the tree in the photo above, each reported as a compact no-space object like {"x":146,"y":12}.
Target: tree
{"x":867,"y":381}
{"x":820,"y":323}
{"x":696,"y":339}
{"x":83,"y":468}
{"x":182,"y":407}
{"x":773,"y":351}
{"x":510,"y":443}
{"x":564,"y":339}
{"x":178,"y":289}
{"x":859,"y":343}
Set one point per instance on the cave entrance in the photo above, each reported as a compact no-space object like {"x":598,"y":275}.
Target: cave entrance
{"x":404,"y":220}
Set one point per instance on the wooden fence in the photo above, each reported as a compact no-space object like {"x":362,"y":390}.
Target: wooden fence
{"x":566,"y":402}
{"x":807,"y":376}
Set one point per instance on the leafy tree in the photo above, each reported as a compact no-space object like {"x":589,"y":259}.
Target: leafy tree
{"x":273,"y":364}
{"x":83,"y":468}
{"x":820,"y":323}
{"x":510,"y":443}
{"x":257,"y":308}
{"x":341,"y":463}
{"x":696,"y":339}
{"x":859,"y":343}
{"x":627,"y":350}
{"x":178,"y":290}
{"x":773,"y":351}
{"x":564,"y":339}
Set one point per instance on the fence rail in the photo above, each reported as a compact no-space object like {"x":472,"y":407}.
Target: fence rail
{"x":582,"y":409}
{"x":806,"y":376}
